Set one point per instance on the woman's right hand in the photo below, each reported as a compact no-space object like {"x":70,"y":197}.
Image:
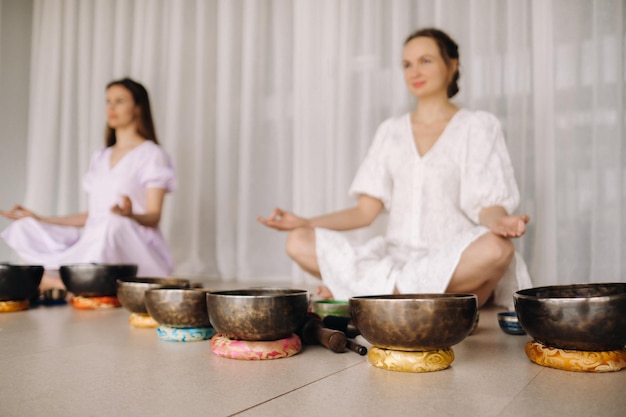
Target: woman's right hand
{"x":283,"y":220}
{"x":19,"y":212}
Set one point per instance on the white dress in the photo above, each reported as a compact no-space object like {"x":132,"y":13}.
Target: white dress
{"x":433,"y":201}
{"x":106,"y":237}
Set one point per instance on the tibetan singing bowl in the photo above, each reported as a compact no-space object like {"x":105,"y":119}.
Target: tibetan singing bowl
{"x":131,"y":290}
{"x":414,"y":322}
{"x":588,"y":317}
{"x":509,"y":323}
{"x":178,"y":307}
{"x":19,"y":282}
{"x":95,"y":279}
{"x":257,"y":314}
{"x":334,"y":308}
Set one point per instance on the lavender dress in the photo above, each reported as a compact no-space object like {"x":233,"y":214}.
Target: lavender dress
{"x":106,"y":237}
{"x":433,"y":201}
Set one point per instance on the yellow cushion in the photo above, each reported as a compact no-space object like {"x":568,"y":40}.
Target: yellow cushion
{"x":143,"y":321}
{"x":401,"y":361}
{"x":576,"y":360}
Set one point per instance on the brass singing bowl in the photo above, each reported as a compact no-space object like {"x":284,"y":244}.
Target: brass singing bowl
{"x":95,"y":279}
{"x":588,"y":317}
{"x":19,"y":282}
{"x":414,"y":322}
{"x":131,"y":291}
{"x":257,"y":314}
{"x":178,"y":307}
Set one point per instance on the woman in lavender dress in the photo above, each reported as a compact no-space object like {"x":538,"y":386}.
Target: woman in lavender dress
{"x":126,"y":183}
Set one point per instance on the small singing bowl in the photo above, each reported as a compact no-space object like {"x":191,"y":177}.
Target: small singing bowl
{"x":257,"y":314}
{"x":509,"y":323}
{"x":414,"y":322}
{"x":54,"y":294}
{"x":131,"y":290}
{"x":19,"y":282}
{"x":336,"y":308}
{"x":587,"y":317}
{"x":95,"y":279}
{"x":178,"y":307}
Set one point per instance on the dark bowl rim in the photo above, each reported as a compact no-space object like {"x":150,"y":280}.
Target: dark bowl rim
{"x":332,"y":302}
{"x":97,"y":264}
{"x":280,"y":292}
{"x":524,"y":293}
{"x":20,"y":266}
{"x":419,"y":297}
{"x":130,"y":280}
{"x":508,"y":316}
{"x":170,"y":289}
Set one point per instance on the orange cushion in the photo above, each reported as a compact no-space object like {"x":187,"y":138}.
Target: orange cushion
{"x":94,"y":303}
{"x":576,"y":360}
{"x":9,"y":306}
{"x":245,"y":350}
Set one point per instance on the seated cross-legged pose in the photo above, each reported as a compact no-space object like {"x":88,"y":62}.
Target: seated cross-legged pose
{"x":126,"y":182}
{"x":445,"y":176}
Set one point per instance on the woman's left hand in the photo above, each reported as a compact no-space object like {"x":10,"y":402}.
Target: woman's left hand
{"x":510,"y":226}
{"x":125,"y":208}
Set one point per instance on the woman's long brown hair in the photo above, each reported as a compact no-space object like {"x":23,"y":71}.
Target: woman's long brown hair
{"x":145,"y":125}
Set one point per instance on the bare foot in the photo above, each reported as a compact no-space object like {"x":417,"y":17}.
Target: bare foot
{"x":50,"y":281}
{"x":324,"y":293}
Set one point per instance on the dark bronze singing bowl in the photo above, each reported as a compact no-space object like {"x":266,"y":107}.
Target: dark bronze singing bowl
{"x":131,"y":290}
{"x":19,"y":282}
{"x":590,"y":317}
{"x":178,"y":307}
{"x":257,"y":314}
{"x":414,"y":322}
{"x":95,"y":279}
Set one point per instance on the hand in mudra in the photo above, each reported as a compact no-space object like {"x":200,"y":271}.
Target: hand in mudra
{"x":283,"y":220}
{"x":18,"y":212}
{"x":125,"y":208}
{"x":510,"y":226}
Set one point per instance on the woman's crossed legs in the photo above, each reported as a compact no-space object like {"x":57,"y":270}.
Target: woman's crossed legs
{"x":482,"y":264}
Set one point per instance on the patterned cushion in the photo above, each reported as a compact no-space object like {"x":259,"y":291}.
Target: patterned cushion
{"x":576,"y":360}
{"x":144,"y":321}
{"x":401,"y":361}
{"x":8,"y":306}
{"x":245,"y":350}
{"x":186,"y":334}
{"x":94,"y":303}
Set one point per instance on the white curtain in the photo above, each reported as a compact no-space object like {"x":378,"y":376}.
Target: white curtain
{"x":274,"y":103}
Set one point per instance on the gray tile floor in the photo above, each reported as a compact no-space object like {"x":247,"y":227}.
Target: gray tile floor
{"x":58,"y":361}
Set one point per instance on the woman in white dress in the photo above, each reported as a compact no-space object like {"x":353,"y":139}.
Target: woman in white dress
{"x":445,"y":176}
{"x":126,"y":183}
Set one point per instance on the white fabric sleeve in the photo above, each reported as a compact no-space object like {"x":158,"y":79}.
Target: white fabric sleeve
{"x":88,"y":177}
{"x":372,"y":177}
{"x":158,"y":171}
{"x":487,"y":178}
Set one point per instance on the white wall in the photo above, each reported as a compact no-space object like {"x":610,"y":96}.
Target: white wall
{"x":15,"y":46}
